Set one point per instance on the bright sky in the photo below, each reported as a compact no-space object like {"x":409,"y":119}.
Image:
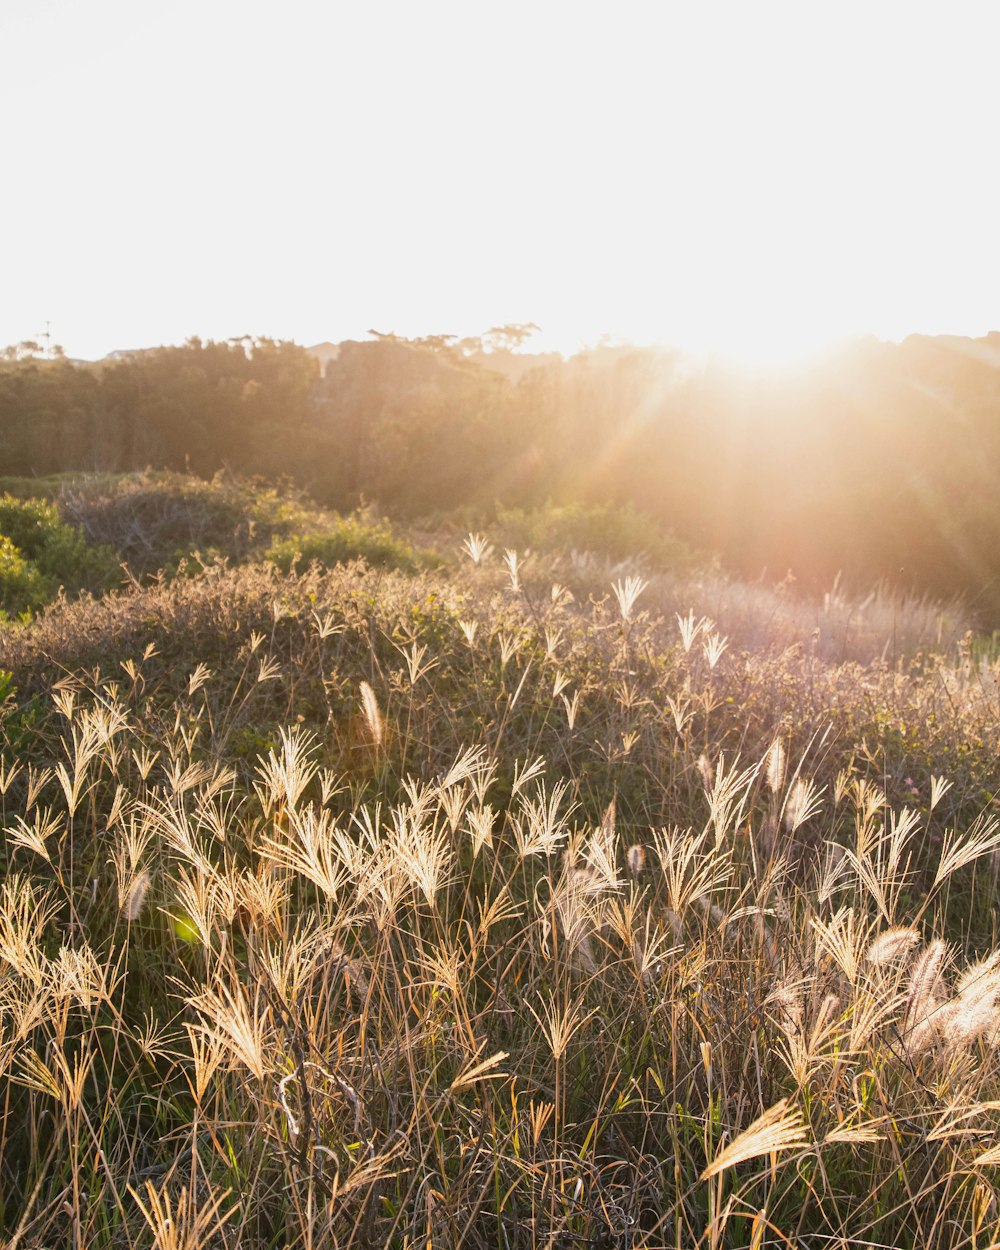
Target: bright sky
{"x":756,"y":176}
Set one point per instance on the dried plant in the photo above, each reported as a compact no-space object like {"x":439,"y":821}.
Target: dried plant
{"x":609,"y":941}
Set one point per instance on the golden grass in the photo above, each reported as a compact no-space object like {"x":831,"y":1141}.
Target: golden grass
{"x":659,"y":973}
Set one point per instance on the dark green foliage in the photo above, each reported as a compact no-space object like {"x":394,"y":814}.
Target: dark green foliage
{"x":23,"y":588}
{"x":348,"y":538}
{"x":39,"y":553}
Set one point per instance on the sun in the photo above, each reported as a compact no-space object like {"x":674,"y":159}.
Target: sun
{"x":753,"y":345}
{"x":766,"y":347}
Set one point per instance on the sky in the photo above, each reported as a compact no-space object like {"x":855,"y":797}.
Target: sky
{"x":747,"y":178}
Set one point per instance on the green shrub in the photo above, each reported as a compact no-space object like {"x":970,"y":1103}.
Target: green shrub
{"x":40,"y":553}
{"x":351,"y":538}
{"x":616,"y":533}
{"x":23,"y":587}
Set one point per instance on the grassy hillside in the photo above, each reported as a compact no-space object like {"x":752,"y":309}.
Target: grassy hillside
{"x":438,"y":894}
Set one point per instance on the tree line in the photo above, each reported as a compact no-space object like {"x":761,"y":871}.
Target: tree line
{"x":880,"y":461}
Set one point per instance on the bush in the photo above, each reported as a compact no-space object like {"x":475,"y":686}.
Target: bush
{"x":351,"y":538}
{"x":616,"y":533}
{"x":22,"y":586}
{"x":41,"y":553}
{"x":156,"y":521}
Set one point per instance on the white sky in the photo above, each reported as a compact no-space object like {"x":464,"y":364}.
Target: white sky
{"x":750,"y":176}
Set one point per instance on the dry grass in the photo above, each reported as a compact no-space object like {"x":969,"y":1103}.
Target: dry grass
{"x":359,"y":909}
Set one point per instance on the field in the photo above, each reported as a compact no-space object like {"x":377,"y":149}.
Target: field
{"x":367,"y":889}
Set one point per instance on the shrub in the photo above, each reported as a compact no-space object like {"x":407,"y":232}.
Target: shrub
{"x":155,"y":521}
{"x":59,"y":553}
{"x":351,"y":538}
{"x":22,"y":586}
{"x":615,"y":533}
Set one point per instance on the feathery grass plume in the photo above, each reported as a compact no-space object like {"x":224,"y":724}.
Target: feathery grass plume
{"x":775,"y":766}
{"x":420,"y":855}
{"x":541,"y":826}
{"x":64,"y":697}
{"x":977,"y":973}
{"x":841,"y":786}
{"x":690,"y":628}
{"x":574,"y":905}
{"x":237,"y":1024}
{"x":509,"y":645}
{"x":924,"y":995}
{"x":33,"y":1073}
{"x":682,"y":712}
{"x":525,"y":772}
{"x":956,"y":851}
{"x":414,"y":657}
{"x":144,"y":759}
{"x":558,"y":1026}
{"x":844,"y":938}
{"x":806,"y":1052}
{"x":132,"y":905}
{"x":191,"y":1224}
{"x":714,"y":646}
{"x":855,"y":1134}
{"x":646,"y":941}
{"x":307,"y":848}
{"x":25,"y":913}
{"x":177,"y":830}
{"x":207,"y":1053}
{"x":8,"y":775}
{"x":77,"y":975}
{"x":691,"y":869}
{"x":283,"y":777}
{"x":572,"y":707}
{"x":37,"y":780}
{"x":891,"y":945}
{"x":636,"y":859}
{"x":453,"y":802}
{"x":728,"y":793}
{"x":199,"y":895}
{"x":183,"y":777}
{"x":480,"y":1070}
{"x":202,"y":674}
{"x":972,"y":1010}
{"x":803,"y":801}
{"x":33,"y":837}
{"x":421,"y":797}
{"x":372,"y":715}
{"x":868,"y":799}
{"x":472,"y":763}
{"x":779,"y":1128}
{"x":627,"y":593}
{"x":480,"y":823}
{"x":939,"y":788}
{"x":510,"y":559}
{"x":601,"y":850}
{"x":478,"y":548}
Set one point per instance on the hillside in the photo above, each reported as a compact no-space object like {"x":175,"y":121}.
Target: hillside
{"x":366,"y":892}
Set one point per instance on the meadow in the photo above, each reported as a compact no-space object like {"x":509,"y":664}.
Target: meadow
{"x":377,"y":889}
